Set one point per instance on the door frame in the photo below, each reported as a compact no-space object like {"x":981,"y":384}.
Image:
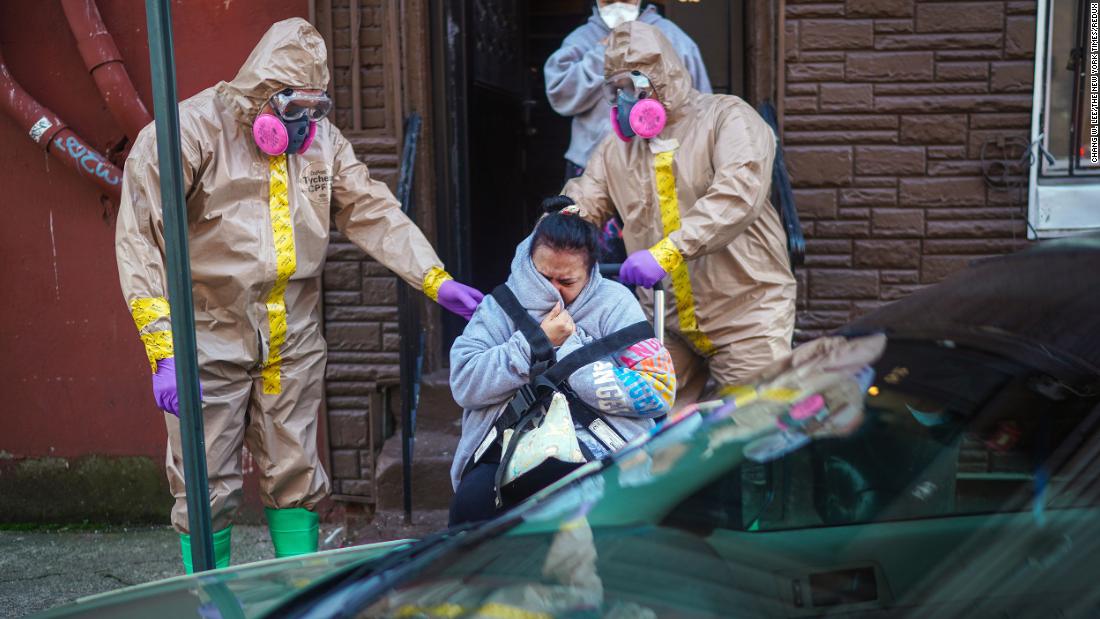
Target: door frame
{"x":448,"y":42}
{"x":449,"y":71}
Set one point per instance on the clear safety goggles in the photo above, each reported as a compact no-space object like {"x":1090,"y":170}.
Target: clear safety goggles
{"x":633,"y":84}
{"x":292,"y":104}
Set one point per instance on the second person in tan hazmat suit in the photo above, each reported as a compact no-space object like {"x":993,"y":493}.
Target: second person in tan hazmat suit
{"x":263,"y":171}
{"x":689,"y":173}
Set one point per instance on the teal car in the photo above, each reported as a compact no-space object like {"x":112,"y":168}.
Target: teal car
{"x":958,"y":478}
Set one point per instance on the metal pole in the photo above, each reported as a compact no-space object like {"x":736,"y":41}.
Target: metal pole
{"x":611,"y":269}
{"x":659,"y":311}
{"x":412,"y":338}
{"x":163,"y":68}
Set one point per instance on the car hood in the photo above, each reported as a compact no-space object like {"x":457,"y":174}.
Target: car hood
{"x":1045,"y":296}
{"x":246,"y":591}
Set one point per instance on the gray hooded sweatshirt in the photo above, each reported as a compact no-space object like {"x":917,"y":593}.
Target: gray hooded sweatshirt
{"x":491,"y":360}
{"x":574,"y":78}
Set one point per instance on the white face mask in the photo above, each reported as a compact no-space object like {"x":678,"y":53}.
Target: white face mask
{"x":618,"y":13}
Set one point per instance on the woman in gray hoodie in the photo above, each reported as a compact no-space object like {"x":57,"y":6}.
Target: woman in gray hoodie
{"x":555,"y":278}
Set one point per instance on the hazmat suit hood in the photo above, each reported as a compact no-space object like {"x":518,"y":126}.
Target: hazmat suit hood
{"x":637,"y":46}
{"x":291,"y":54}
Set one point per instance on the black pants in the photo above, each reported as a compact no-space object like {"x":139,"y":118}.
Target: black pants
{"x":475,"y":499}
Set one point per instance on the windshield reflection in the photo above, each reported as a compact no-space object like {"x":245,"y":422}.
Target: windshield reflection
{"x":854,"y":474}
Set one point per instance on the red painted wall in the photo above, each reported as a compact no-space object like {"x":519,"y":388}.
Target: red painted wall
{"x":73,"y":376}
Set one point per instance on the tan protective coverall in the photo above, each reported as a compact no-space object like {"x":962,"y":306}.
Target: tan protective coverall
{"x":697,"y":197}
{"x":258,"y":228}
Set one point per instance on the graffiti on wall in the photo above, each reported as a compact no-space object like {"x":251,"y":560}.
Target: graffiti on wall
{"x":87,"y":159}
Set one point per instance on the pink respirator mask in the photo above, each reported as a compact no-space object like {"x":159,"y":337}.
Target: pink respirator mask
{"x":293,"y":125}
{"x":635,"y":110}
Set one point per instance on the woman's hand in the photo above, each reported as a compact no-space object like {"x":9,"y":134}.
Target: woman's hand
{"x":558,"y":325}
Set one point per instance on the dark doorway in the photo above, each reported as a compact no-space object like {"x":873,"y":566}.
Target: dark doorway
{"x":718,"y":28}
{"x":500,"y":147}
{"x":516,"y":141}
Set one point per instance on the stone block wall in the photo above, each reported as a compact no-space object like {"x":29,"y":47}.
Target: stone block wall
{"x":361,"y":329}
{"x":889,"y":105}
{"x":360,"y":297}
{"x":372,"y":87}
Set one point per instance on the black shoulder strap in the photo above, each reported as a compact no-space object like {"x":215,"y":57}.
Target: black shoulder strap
{"x":541,"y":350}
{"x":606,"y":345}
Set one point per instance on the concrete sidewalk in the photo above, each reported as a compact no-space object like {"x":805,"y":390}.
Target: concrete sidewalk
{"x":43,"y":569}
{"x":40,"y":570}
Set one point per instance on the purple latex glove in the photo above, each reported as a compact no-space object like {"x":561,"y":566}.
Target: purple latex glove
{"x":164,"y":386}
{"x":459,"y":298}
{"x":641,"y":269}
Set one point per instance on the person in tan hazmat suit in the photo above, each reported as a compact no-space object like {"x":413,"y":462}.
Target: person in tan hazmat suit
{"x":262,"y":171}
{"x":689,"y":173}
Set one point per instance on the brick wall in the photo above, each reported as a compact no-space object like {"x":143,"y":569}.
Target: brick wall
{"x":888,"y":104}
{"x":360,"y":295}
{"x":373,"y":112}
{"x":361,"y":329}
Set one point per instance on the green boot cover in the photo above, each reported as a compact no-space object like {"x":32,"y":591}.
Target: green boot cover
{"x":221,"y":549}
{"x":293,"y":531}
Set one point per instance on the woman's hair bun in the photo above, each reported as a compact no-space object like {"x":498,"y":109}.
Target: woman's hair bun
{"x":563,"y":229}
{"x":554,"y":204}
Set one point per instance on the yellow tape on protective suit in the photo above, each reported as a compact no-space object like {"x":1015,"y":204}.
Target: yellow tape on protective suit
{"x":667,"y":255}
{"x":147,"y":310}
{"x":433,"y":279}
{"x":490,"y":610}
{"x":681,"y":282}
{"x":158,"y":344}
{"x":282,"y":232}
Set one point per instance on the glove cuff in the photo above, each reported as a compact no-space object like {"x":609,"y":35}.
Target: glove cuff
{"x":149,"y":312}
{"x":433,"y":280}
{"x":158,"y":346}
{"x":666,"y":255}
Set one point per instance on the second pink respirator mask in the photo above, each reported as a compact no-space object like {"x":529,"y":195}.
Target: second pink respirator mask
{"x":635,"y":110}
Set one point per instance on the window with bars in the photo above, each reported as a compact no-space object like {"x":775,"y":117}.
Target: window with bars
{"x":1064,"y":196}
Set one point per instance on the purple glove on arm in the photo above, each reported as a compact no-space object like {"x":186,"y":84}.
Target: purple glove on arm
{"x":641,"y":269}
{"x":459,"y":298}
{"x":164,"y":386}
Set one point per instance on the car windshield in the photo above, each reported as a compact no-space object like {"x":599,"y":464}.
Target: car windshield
{"x":961,"y":457}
